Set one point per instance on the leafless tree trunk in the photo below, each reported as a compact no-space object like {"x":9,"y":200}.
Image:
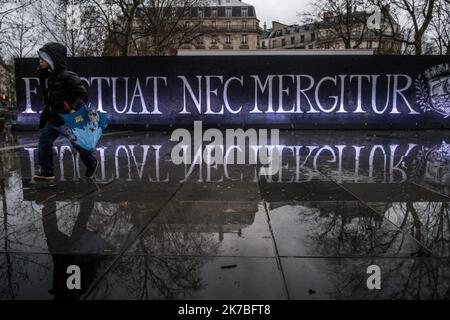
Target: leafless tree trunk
{"x":70,"y":22}
{"x":8,"y":9}
{"x":165,"y":24}
{"x":440,"y":26}
{"x":147,"y":27}
{"x":116,"y":18}
{"x":22,"y":36}
{"x":416,"y":18}
{"x":343,"y":19}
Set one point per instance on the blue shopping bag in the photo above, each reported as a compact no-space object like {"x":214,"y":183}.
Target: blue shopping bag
{"x":83,"y":127}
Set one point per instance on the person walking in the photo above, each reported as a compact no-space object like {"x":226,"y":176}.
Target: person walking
{"x":62,"y":92}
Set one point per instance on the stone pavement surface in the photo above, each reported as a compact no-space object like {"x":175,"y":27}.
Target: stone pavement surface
{"x":147,"y":228}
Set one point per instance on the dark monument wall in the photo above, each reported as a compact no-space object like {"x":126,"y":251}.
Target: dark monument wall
{"x":301,"y":92}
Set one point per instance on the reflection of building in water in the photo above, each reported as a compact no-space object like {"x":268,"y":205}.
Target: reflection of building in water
{"x":199,"y":227}
{"x":109,"y":220}
{"x":113,"y":217}
{"x":207,"y":217}
{"x":347,"y":211}
{"x":126,"y":211}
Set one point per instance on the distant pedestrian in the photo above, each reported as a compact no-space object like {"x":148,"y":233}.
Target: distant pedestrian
{"x":62,"y":92}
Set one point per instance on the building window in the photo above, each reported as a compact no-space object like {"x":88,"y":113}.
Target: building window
{"x":263,"y":44}
{"x":201,"y":13}
{"x":228,"y":12}
{"x":292,"y":40}
{"x":302,"y":38}
{"x":283,"y":42}
{"x":244,"y":39}
{"x":214,"y":39}
{"x":244,"y":24}
{"x":200,"y":40}
{"x":228,"y":39}
{"x":313,"y":36}
{"x":244,"y":12}
{"x":228,"y":25}
{"x":214,"y":24}
{"x":214,"y":12}
{"x":274,"y":43}
{"x":310,"y":46}
{"x":327,"y":46}
{"x":369,"y":44}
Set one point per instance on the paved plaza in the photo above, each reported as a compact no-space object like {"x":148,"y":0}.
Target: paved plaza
{"x":147,"y":228}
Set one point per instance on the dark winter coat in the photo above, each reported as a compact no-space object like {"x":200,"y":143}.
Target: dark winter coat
{"x":62,"y":89}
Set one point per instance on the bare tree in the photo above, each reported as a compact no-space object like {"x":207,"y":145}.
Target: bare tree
{"x":117,"y":18}
{"x":7,"y":10}
{"x":440,"y":26}
{"x":416,"y":16}
{"x":70,"y":22}
{"x":342,"y":19}
{"x":22,"y":37}
{"x":150,"y":27}
{"x":8,"y":25}
{"x":169,"y":25}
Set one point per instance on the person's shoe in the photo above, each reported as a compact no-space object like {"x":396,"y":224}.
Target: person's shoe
{"x":43,"y":176}
{"x":90,"y":172}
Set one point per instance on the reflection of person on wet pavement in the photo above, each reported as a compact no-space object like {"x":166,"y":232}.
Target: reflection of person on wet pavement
{"x":68,"y":250}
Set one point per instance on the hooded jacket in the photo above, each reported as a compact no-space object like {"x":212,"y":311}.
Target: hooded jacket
{"x":62,"y":89}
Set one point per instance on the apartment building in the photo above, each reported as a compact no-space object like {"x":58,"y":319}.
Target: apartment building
{"x":214,"y":25}
{"x":327,"y":34}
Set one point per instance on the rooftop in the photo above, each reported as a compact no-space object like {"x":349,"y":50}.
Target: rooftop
{"x":228,"y":3}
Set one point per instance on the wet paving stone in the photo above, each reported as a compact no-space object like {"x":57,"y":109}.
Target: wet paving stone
{"x":43,"y":277}
{"x":337,"y":229}
{"x":392,"y":192}
{"x":208,"y":228}
{"x":103,"y":222}
{"x":344,"y":279}
{"x":315,"y":190}
{"x":426,"y":221}
{"x":146,"y":277}
{"x":340,"y":202}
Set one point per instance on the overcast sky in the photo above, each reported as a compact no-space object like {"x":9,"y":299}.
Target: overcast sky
{"x":284,"y":11}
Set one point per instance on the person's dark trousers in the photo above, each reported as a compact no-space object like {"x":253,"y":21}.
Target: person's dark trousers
{"x":45,"y":149}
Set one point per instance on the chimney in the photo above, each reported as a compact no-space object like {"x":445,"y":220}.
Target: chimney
{"x":265,"y":26}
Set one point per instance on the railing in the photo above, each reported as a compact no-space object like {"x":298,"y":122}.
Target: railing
{"x":355,"y":35}
{"x":230,"y":29}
